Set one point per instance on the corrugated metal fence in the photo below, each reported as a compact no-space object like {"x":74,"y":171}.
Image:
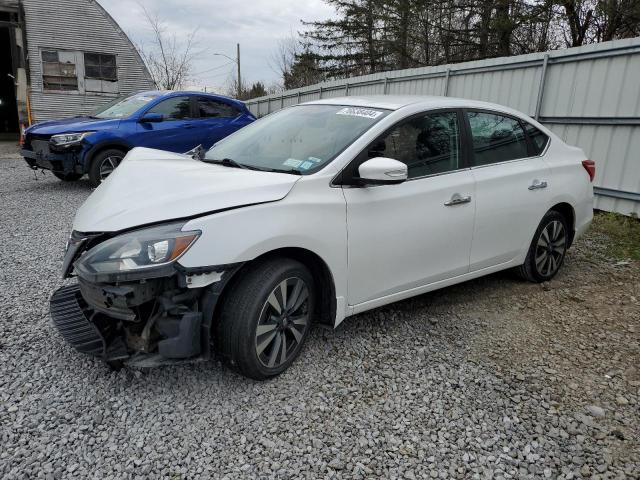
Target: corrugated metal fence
{"x":589,"y":96}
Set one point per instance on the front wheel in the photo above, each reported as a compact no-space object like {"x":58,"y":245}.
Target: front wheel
{"x":103,"y":164}
{"x":547,"y":250}
{"x":266,"y":317}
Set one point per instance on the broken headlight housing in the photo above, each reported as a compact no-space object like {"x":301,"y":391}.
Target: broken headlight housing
{"x":145,"y":253}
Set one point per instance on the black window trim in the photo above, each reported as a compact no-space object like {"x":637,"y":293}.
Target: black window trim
{"x":339,"y":181}
{"x":197,"y":109}
{"x":521,"y":122}
{"x":192,"y":107}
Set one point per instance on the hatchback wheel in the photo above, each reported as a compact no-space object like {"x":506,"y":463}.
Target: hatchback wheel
{"x":266,"y":317}
{"x":548,"y":248}
{"x":103,"y":164}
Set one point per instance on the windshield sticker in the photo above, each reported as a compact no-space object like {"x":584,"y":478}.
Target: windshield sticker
{"x":359,"y":112}
{"x":314,"y":159}
{"x":306,"y":165}
{"x":292,"y":162}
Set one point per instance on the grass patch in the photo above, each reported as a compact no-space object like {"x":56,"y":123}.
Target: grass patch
{"x":622,"y":233}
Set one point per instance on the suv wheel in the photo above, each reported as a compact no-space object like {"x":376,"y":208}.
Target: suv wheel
{"x":548,"y":248}
{"x":103,"y":164}
{"x":266,"y":317}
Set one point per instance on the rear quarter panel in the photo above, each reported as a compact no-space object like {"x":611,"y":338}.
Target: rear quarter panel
{"x":570,"y":182}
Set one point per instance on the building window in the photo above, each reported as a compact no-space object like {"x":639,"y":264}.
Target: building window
{"x":59,"y":71}
{"x":100,"y":66}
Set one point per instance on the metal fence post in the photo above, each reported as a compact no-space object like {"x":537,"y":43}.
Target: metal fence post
{"x":298,"y":101}
{"x":543,"y":76}
{"x":346,"y":89}
{"x":384,"y":88}
{"x":320,"y":92}
{"x":446,"y":82}
{"x":281,"y":102}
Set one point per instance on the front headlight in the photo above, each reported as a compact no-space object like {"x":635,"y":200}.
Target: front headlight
{"x":145,"y":251}
{"x":67,"y":139}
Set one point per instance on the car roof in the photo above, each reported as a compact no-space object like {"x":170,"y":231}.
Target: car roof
{"x":396,"y":102}
{"x":162,"y":93}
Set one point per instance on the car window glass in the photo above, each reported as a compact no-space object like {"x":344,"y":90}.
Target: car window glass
{"x":124,"y":106}
{"x":428,"y":144}
{"x":538,"y":139}
{"x":303,"y":138}
{"x":496,"y":138}
{"x":174,"y":108}
{"x":211,"y":108}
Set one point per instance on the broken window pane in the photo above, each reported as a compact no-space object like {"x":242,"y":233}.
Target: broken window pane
{"x":57,"y":75}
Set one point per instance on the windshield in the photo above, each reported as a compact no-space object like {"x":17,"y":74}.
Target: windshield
{"x":124,"y":106}
{"x":300,"y":139}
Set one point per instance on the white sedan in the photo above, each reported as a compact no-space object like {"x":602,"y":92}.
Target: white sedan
{"x":310,"y":215}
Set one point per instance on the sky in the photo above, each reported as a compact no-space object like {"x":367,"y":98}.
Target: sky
{"x":256,"y":24}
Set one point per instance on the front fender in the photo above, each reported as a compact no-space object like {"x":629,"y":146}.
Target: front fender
{"x":100,"y":141}
{"x":297,"y":221}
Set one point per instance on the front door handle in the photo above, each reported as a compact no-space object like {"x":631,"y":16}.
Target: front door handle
{"x":458,"y":199}
{"x":536,"y":185}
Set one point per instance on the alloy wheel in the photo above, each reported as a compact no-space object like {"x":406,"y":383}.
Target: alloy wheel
{"x":550,"y":249}
{"x":108,"y":165}
{"x":283,"y":322}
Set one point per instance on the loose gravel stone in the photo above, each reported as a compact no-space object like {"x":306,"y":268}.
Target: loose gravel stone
{"x":473,"y":381}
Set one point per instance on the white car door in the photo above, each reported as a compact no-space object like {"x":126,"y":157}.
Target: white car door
{"x":411,"y":234}
{"x":511,"y":188}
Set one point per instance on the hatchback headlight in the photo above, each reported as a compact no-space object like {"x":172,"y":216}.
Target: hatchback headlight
{"x":144,"y":251}
{"x":68,"y":139}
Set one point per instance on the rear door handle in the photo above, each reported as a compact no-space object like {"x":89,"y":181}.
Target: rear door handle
{"x":536,"y":185}
{"x":458,"y":199}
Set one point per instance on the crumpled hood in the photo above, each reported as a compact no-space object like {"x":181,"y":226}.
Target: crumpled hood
{"x":153,"y":186}
{"x":73,"y":125}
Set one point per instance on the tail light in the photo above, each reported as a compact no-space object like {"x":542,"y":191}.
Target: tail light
{"x":590,"y":167}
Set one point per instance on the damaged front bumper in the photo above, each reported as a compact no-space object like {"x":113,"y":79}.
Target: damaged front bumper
{"x":144,"y":323}
{"x":39,"y":154}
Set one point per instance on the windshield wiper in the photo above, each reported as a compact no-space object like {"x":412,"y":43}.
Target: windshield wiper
{"x":227,"y":162}
{"x":230,"y":162}
{"x":291,"y":171}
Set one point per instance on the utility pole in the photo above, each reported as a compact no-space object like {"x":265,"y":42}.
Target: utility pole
{"x":239,"y":78}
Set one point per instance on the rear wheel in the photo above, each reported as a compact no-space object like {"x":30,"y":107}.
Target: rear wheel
{"x":67,"y":177}
{"x":266,"y":317}
{"x":548,"y":248}
{"x":103,"y":164}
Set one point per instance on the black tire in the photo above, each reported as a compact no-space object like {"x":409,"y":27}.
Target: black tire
{"x":67,"y":177}
{"x":249,"y":304}
{"x":96,"y":168}
{"x":547,"y":250}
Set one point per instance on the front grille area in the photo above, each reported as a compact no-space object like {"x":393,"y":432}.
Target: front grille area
{"x":41,"y":141}
{"x":70,"y":315}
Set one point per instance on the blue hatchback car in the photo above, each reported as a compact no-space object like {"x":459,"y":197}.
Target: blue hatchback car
{"x":95,"y":144}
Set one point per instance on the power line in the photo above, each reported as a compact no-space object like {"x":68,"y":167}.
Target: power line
{"x":214,"y":68}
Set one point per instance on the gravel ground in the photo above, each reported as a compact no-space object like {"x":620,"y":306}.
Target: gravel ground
{"x":493,"y":378}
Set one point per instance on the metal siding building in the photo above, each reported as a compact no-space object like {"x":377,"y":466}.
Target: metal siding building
{"x":72,"y":28}
{"x":589,"y":96}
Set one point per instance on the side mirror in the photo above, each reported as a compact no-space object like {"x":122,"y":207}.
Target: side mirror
{"x":382,"y":171}
{"x":151,"y":118}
